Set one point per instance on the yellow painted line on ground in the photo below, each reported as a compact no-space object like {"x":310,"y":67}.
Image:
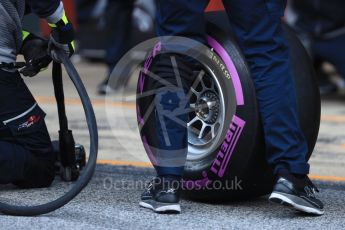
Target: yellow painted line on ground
{"x":149,"y":165}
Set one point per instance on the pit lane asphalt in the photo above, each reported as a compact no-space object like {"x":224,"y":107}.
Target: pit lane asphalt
{"x":111,"y":202}
{"x":101,"y":207}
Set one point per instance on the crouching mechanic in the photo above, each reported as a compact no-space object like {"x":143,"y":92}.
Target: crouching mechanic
{"x":26,"y":156}
{"x":257,"y":26}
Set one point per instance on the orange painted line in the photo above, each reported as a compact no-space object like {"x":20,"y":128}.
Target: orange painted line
{"x":75,"y":101}
{"x":333,"y":118}
{"x":149,"y":165}
{"x":328,"y":178}
{"x":129,"y":163}
{"x":102,"y":102}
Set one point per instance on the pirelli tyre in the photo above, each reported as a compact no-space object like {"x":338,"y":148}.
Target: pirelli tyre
{"x":226,"y":157}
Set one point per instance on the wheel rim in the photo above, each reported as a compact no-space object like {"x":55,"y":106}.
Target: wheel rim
{"x":207,"y":115}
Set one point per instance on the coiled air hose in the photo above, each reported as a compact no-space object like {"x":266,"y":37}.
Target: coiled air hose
{"x":91,"y":164}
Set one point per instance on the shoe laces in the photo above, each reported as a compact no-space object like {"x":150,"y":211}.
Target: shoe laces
{"x":171,"y":190}
{"x":311,"y":189}
{"x":151,"y":184}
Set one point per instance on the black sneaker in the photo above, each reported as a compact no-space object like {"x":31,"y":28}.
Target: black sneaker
{"x":298,"y":193}
{"x":162,"y":196}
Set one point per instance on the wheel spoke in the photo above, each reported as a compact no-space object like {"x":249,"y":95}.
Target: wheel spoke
{"x":203,"y":84}
{"x":193,"y":121}
{"x":195,"y":92}
{"x":192,"y":105}
{"x":195,"y":84}
{"x":213,"y":131}
{"x":201,"y":134}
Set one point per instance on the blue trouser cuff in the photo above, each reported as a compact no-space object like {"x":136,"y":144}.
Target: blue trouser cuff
{"x":299,"y":168}
{"x":169,"y":171}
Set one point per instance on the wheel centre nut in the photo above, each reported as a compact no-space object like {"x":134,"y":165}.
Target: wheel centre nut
{"x":207,"y":107}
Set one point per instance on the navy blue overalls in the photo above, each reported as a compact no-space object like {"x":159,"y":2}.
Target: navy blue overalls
{"x":26,"y":154}
{"x":257,"y":26}
{"x":118,"y":17}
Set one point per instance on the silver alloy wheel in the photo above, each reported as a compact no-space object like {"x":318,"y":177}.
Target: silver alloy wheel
{"x":206,"y":117}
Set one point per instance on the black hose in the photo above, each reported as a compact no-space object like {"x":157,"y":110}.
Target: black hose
{"x":91,"y":164}
{"x":59,"y":95}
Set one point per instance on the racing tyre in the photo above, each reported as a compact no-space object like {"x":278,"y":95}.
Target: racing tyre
{"x":226,"y":157}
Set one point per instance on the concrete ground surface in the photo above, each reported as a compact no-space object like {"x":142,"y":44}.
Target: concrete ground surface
{"x":116,"y":207}
{"x":111,"y":202}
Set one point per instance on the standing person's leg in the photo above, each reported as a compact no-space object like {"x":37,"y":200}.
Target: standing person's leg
{"x":332,"y":50}
{"x":174,"y":18}
{"x":257,"y":25}
{"x":185,"y":19}
{"x":118,"y":24}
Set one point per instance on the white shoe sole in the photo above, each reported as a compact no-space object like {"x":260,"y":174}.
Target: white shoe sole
{"x":173,"y":208}
{"x":281,"y":199}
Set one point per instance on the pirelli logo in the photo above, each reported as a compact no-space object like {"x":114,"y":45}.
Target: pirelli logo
{"x":226,"y":150}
